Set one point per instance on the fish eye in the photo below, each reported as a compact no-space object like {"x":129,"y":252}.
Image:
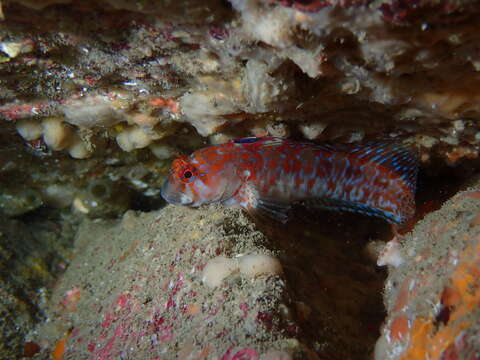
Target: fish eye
{"x":183,"y":170}
{"x":188,"y":174}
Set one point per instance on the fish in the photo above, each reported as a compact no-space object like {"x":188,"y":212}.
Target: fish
{"x":270,"y":174}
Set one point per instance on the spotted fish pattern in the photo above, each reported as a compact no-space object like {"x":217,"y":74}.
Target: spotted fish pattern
{"x":270,"y":174}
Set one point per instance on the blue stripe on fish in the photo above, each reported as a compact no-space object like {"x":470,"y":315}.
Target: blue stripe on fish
{"x":246,"y":140}
{"x":391,"y":155}
{"x":387,"y":153}
{"x":342,"y":205}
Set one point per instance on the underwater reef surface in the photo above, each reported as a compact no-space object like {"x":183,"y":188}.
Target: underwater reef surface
{"x":208,"y":284}
{"x":97,"y":97}
{"x":433,"y":297}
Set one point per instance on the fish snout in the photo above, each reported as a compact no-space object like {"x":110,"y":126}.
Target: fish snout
{"x":173,"y":195}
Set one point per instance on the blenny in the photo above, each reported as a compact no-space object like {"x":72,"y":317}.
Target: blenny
{"x":269,"y":174}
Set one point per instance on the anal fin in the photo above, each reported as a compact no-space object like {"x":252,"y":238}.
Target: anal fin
{"x":274,"y":209}
{"x":348,"y":206}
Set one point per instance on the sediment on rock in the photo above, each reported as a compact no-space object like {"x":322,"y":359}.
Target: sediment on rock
{"x":207,"y":283}
{"x":34,"y":252}
{"x":98,"y":96}
{"x":433,"y":297}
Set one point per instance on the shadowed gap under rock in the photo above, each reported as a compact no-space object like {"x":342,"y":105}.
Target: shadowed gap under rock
{"x":330,"y":271}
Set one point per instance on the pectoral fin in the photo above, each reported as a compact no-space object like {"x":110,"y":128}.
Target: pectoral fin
{"x":249,"y":198}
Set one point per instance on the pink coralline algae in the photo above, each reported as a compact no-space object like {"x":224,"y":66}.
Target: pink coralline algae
{"x":398,"y":11}
{"x":265,"y":319}
{"x":72,"y":297}
{"x":244,"y":307}
{"x":317,"y":5}
{"x":218,"y":32}
{"x":405,"y":11}
{"x":160,"y":307}
{"x":243,"y":354}
{"x":394,"y":11}
{"x":105,"y":352}
{"x":21,"y":111}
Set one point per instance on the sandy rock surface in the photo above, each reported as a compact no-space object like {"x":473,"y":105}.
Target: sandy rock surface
{"x":433,"y":298}
{"x":142,"y":287}
{"x":207,"y":283}
{"x":98,"y":96}
{"x":135,"y":289}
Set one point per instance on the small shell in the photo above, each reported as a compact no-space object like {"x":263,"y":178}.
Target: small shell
{"x":29,"y":129}
{"x":217,"y":269}
{"x":259,"y":264}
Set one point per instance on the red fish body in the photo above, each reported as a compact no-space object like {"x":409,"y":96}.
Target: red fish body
{"x":269,"y":174}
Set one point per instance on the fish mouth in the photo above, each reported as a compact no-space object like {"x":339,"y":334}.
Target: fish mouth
{"x":173,"y":196}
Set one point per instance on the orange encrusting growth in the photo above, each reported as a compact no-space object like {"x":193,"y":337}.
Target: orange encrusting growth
{"x":170,"y":104}
{"x":430,"y":340}
{"x":399,"y":327}
{"x":57,"y":353}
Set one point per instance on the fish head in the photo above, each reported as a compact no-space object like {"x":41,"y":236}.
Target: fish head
{"x":200,"y":179}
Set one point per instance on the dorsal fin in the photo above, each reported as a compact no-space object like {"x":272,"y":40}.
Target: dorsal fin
{"x":392,"y":155}
{"x":387,"y":153}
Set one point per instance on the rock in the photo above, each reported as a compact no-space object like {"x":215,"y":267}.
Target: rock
{"x":433,"y":297}
{"x":136,"y":288}
{"x":32,"y":254}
